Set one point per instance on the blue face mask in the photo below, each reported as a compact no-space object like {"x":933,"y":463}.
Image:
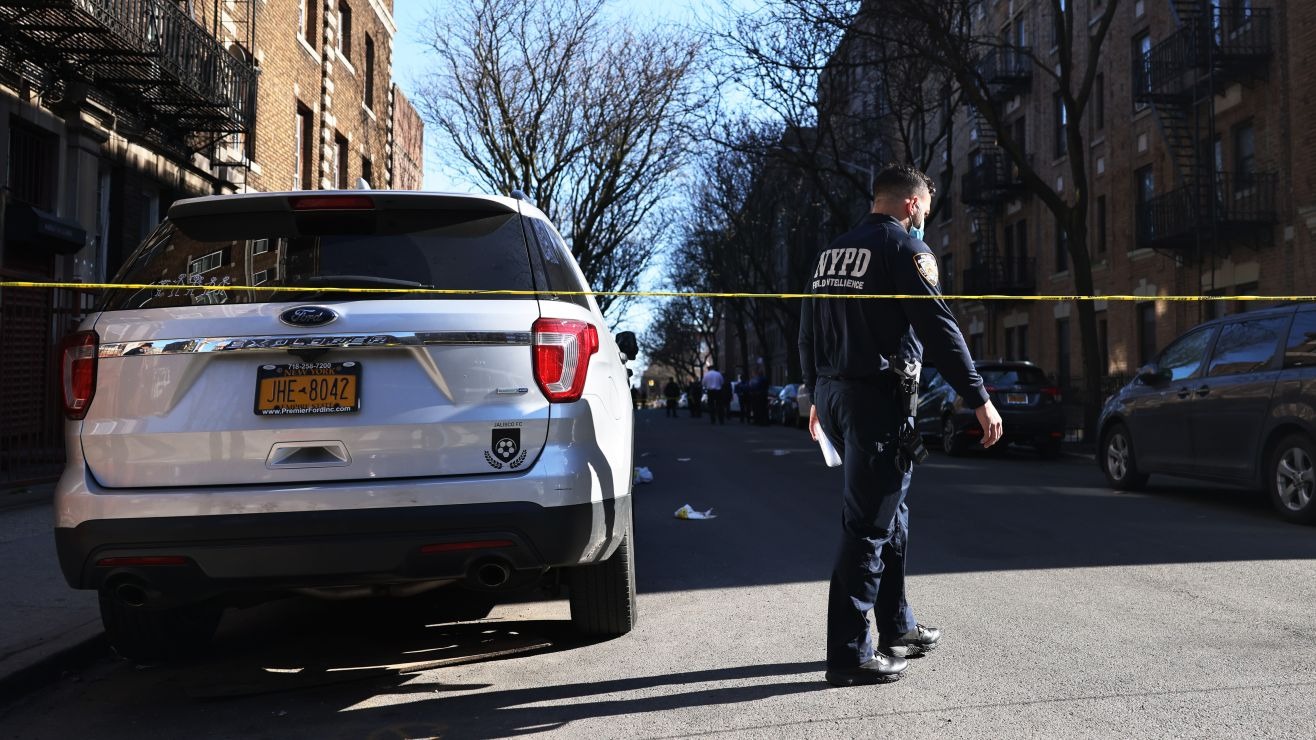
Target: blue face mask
{"x":916,"y":231}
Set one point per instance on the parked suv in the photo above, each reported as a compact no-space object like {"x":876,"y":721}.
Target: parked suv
{"x":1232,"y":400}
{"x":1028,"y":402}
{"x":343,"y":442}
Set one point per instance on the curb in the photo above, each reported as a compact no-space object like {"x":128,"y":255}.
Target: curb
{"x":79,"y":651}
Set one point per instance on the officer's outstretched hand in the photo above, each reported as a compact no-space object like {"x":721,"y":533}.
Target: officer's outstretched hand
{"x":990,"y":419}
{"x":814,"y":428}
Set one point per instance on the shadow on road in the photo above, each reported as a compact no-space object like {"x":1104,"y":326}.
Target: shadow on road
{"x":779,"y":513}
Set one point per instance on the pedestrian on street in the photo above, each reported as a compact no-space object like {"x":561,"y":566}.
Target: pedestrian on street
{"x":851,"y":350}
{"x":672,"y":392}
{"x":715,"y":384}
{"x":693,"y":395}
{"x":758,"y":398}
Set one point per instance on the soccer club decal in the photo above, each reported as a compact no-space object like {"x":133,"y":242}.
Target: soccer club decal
{"x":505,"y":448}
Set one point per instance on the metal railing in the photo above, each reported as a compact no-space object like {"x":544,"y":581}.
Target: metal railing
{"x":1228,"y":38}
{"x":1001,"y":275}
{"x":1006,"y":69}
{"x":995,"y":178}
{"x":1216,"y":203}
{"x":32,"y":433}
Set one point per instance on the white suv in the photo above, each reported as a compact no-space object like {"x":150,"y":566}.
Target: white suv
{"x":345,"y":442}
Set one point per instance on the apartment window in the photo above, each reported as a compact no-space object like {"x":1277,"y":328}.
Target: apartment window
{"x":1214,"y":309}
{"x":946,"y":202}
{"x":1103,"y":346}
{"x":1020,"y":133}
{"x":1142,"y":73}
{"x":306,"y":20}
{"x":259,"y":246}
{"x":1016,"y":342}
{"x":1245,"y":289}
{"x":1146,"y":185}
{"x":262,"y":277}
{"x":1020,"y":31}
{"x":1062,"y":126}
{"x":303,"y":148}
{"x":1245,"y":154}
{"x":1062,"y":247}
{"x":976,"y":344}
{"x":1146,"y":332}
{"x":367,"y":171}
{"x":212,"y":261}
{"x":33,"y":165}
{"x":1101,"y":225}
{"x":345,"y":31}
{"x":1098,"y":102}
{"x":1007,"y":249}
{"x":339,"y":169}
{"x":1062,"y":350}
{"x":1059,"y":32}
{"x":370,"y":72}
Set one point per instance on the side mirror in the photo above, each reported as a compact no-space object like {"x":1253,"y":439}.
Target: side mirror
{"x":627,"y":343}
{"x":1150,"y":375}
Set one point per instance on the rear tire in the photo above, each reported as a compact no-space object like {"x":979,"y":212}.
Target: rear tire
{"x":140,"y":633}
{"x":951,"y":442}
{"x":1117,"y":461}
{"x":603,"y":594}
{"x":1291,"y":479}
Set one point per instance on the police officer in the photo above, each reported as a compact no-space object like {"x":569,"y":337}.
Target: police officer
{"x":849,"y":349}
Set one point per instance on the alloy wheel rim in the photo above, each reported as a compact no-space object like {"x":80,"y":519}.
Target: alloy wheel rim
{"x":1117,"y":456}
{"x":1295,"y":479}
{"x":948,"y":436}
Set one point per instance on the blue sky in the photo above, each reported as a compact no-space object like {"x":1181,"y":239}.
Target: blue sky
{"x":410,"y":62}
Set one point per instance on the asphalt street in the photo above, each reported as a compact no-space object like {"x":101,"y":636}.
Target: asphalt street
{"x":1069,"y":610}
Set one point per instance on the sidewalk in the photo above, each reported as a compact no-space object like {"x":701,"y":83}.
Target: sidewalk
{"x":45,"y":623}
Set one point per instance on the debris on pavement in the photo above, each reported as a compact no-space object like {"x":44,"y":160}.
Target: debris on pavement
{"x":643,"y":475}
{"x":685,"y":512}
{"x":683,"y":459}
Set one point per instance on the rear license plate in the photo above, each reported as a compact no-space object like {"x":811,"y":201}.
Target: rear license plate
{"x":1016,"y":399}
{"x":308,"y":388}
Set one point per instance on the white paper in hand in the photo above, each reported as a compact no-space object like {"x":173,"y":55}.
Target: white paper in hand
{"x":830,"y":456}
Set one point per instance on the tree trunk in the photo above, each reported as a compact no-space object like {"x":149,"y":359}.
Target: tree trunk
{"x":1093,"y":367}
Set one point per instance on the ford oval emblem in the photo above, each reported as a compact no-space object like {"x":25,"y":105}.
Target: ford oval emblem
{"x":308,"y":316}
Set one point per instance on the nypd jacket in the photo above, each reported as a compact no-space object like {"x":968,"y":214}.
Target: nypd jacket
{"x":856,"y":338}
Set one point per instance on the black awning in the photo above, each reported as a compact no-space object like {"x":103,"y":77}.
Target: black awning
{"x":36,"y":229}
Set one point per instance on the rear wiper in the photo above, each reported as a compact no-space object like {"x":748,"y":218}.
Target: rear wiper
{"x":359,"y":281}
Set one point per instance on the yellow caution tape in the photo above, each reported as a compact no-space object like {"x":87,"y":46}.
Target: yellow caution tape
{"x":636,"y":293}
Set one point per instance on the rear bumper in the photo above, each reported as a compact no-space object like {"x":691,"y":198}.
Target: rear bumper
{"x":279,"y":551}
{"x":1031,"y":426}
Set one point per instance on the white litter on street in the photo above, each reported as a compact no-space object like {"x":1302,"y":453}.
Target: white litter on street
{"x":685,"y":512}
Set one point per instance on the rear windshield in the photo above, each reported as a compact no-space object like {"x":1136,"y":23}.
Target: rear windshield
{"x":403,"y":249}
{"x":1011,"y":376}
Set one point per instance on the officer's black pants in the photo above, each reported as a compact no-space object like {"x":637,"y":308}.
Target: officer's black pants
{"x":869,"y":574}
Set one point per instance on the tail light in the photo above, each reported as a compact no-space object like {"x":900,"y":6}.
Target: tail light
{"x":331,"y":202}
{"x":77,"y":372}
{"x":562,"y":348}
{"x":1052,"y":392}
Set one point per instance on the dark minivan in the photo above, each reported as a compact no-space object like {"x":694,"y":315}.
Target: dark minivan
{"x":1232,"y":400}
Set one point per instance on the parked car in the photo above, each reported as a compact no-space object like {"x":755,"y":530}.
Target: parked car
{"x":775,"y":411}
{"x":1232,"y":400}
{"x":1028,"y":402}
{"x":788,"y":409}
{"x":803,"y":403}
{"x":236,"y":444}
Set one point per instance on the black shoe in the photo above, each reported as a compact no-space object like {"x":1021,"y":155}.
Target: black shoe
{"x":881,"y":669}
{"x":918,"y":641}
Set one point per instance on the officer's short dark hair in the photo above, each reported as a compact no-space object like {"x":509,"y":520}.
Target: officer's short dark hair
{"x":901,"y":181}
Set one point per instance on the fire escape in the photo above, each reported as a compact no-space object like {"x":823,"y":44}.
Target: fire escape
{"x":992,"y":180}
{"x":167,"y":79}
{"x":1215,"y":46}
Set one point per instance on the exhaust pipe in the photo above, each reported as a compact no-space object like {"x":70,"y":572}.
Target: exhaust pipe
{"x":135,"y":594}
{"x":492,"y":574}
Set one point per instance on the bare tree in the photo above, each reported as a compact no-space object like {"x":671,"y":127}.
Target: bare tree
{"x":945,"y":35}
{"x":849,"y":105}
{"x":588,"y":118}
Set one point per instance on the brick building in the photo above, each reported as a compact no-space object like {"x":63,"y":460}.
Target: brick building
{"x":110,"y":110}
{"x":1201,"y":174}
